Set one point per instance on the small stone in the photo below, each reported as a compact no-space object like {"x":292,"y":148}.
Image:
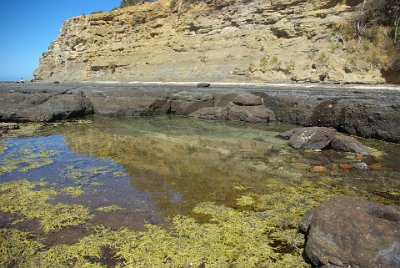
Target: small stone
{"x":203,"y":85}
{"x":360,"y":166}
{"x":318,"y":169}
{"x":345,"y":166}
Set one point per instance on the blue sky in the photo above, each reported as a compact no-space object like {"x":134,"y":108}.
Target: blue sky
{"x":29,"y":26}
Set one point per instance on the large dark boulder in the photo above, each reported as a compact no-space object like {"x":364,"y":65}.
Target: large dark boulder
{"x":43,"y":106}
{"x":349,"y":144}
{"x":352,"y":232}
{"x":129,"y":102}
{"x":312,"y":138}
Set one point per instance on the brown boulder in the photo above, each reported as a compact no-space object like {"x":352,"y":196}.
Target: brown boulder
{"x":312,"y":138}
{"x":211,"y":113}
{"x":253,"y":114}
{"x":247,"y":99}
{"x":352,"y":232}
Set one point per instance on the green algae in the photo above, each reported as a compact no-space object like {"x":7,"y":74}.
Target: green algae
{"x":2,"y":148}
{"x":26,"y":160}
{"x":73,"y":191}
{"x":29,"y":201}
{"x":17,"y":247}
{"x":264,"y":236}
{"x":27,"y":129}
{"x":111,"y":208}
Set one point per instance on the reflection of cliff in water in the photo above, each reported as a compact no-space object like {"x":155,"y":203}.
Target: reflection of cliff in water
{"x":181,"y":171}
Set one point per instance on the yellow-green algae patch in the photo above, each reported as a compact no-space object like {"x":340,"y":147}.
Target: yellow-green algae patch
{"x":264,"y":236}
{"x":26,"y":160}
{"x":110,"y":208}
{"x":27,"y":129}
{"x":16,"y":247}
{"x":73,"y":191}
{"x":27,"y":200}
{"x":2,"y":148}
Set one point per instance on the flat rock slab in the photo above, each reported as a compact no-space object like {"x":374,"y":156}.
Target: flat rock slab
{"x":312,"y":138}
{"x":350,"y":231}
{"x":36,"y":106}
{"x":349,"y":144}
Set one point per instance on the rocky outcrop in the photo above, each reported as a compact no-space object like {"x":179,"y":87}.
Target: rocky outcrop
{"x":230,"y":40}
{"x":352,"y":232}
{"x":341,"y":108}
{"x":356,"y":112}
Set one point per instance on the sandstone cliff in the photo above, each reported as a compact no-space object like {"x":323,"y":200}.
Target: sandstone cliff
{"x":212,"y":40}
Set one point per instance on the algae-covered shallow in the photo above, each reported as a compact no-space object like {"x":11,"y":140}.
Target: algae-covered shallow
{"x":167,"y":191}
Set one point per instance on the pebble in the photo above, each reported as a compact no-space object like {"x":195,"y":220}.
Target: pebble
{"x":319,"y":169}
{"x":376,"y":166}
{"x":360,"y":166}
{"x":345,"y":166}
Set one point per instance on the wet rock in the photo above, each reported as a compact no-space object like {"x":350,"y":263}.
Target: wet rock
{"x":247,"y":99}
{"x":319,"y":169}
{"x":5,"y":127}
{"x":349,"y":144}
{"x":352,"y":232}
{"x":253,"y":114}
{"x":212,"y":113}
{"x":360,"y":166}
{"x":312,"y":138}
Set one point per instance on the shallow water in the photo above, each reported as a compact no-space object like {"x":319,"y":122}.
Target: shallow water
{"x":153,"y":169}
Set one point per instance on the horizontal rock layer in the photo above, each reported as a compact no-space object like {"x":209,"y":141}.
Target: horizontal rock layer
{"x":208,"y":40}
{"x":365,"y":112}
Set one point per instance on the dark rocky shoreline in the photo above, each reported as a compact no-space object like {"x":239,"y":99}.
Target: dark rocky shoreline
{"x":366,"y":112}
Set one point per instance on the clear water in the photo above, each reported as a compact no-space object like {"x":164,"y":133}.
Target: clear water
{"x":159,"y":167}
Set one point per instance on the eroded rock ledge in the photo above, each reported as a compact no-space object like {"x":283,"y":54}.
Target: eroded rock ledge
{"x":370,"y":113}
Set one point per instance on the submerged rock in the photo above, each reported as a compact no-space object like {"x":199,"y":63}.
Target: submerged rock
{"x":319,"y":169}
{"x":253,"y":114}
{"x":350,"y":231}
{"x":312,"y":138}
{"x":349,"y":144}
{"x":360,"y":166}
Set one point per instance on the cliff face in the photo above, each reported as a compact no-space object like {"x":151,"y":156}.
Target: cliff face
{"x":210,"y":40}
